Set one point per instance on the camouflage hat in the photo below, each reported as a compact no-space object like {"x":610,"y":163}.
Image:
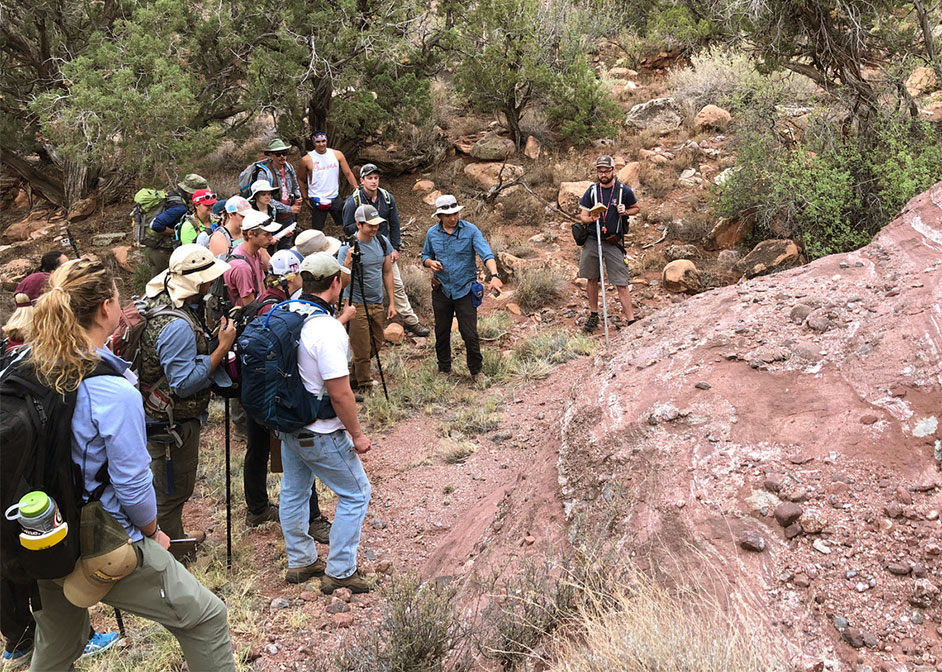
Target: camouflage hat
{"x":107,"y":557}
{"x":193,"y":183}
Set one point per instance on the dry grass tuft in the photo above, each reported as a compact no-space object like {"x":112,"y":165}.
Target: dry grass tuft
{"x":537,"y":287}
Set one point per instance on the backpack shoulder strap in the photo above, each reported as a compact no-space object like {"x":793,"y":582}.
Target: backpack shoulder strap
{"x":356,"y":197}
{"x":385,"y":244}
{"x":386,"y":196}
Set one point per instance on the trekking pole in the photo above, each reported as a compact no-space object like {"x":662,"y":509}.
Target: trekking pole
{"x":120,"y":620}
{"x":366,"y":310}
{"x":598,"y":234}
{"x":228,"y":491}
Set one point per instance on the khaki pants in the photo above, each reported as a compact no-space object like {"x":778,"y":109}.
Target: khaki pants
{"x":403,"y":307}
{"x":360,"y":340}
{"x":185,"y":460}
{"x":159,"y":259}
{"x":161,"y":590}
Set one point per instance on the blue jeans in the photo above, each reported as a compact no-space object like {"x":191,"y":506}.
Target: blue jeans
{"x":329,"y":457}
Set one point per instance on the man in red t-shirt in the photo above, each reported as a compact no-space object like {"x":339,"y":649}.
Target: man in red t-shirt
{"x":248,"y":262}
{"x":34,"y":284}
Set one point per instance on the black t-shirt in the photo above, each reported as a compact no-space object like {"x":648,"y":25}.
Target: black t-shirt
{"x":612,"y":223}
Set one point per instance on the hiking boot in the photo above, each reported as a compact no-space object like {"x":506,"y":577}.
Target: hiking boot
{"x":302,"y":574}
{"x":268,"y":515}
{"x":591,"y":323}
{"x":355,"y":583}
{"x":12,"y":659}
{"x":418,"y":329}
{"x":320,"y":530}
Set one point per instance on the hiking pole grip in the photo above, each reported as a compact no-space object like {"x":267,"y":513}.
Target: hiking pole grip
{"x":228,"y":492}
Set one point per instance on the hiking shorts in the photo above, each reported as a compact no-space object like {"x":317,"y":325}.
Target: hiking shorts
{"x":615,"y":266}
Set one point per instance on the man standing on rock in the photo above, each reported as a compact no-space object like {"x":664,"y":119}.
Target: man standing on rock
{"x":370,"y":193}
{"x":320,"y":171}
{"x":450,"y":250}
{"x":619,"y":202}
{"x":328,"y":448}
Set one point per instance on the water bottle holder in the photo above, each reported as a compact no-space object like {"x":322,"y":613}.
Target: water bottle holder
{"x":51,"y":562}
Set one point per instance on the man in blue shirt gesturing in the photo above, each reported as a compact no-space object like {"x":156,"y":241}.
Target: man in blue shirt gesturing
{"x":450,"y":248}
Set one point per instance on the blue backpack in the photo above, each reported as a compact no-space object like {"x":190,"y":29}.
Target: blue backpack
{"x":273,"y":393}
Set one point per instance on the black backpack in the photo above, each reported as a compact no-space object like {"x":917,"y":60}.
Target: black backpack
{"x":217,"y":301}
{"x":36,"y":454}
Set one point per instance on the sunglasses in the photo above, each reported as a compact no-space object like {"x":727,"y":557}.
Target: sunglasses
{"x":279,"y":153}
{"x":206,"y":197}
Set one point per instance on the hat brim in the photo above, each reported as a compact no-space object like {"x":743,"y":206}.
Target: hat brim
{"x":271,"y":228}
{"x":376,"y":221}
{"x":448,"y":211}
{"x":333,"y":246}
{"x":204,"y":201}
{"x":83,"y":591}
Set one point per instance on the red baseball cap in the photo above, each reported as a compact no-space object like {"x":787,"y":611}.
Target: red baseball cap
{"x":204,"y":197}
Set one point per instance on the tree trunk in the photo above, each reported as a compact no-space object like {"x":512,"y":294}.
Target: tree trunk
{"x":78,"y":180}
{"x":40,"y":180}
{"x":318,"y":108}
{"x":512,"y":115}
{"x":927,"y":36}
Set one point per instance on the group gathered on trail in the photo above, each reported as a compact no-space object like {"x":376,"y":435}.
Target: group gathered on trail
{"x":252,"y":302}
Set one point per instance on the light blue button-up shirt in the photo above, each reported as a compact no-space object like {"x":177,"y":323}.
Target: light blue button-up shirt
{"x":108,"y":424}
{"x":456,"y":253}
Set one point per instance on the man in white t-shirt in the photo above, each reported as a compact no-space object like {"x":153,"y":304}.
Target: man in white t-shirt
{"x":329,"y":447}
{"x":320,"y":171}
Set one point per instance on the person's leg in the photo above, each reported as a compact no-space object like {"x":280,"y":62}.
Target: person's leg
{"x":401,"y":300}
{"x":624,"y":298}
{"x":163,"y":591}
{"x":318,"y":217}
{"x":444,"y":310}
{"x":378,"y":319}
{"x":619,"y":275}
{"x":468,"y":328}
{"x":332,"y":459}
{"x":255,"y":468}
{"x":61,"y":630}
{"x":336,"y":212}
{"x":16,"y":620}
{"x":185,"y":460}
{"x":592,"y":294}
{"x":297,"y":481}
{"x":360,"y":345}
{"x":158,"y":259}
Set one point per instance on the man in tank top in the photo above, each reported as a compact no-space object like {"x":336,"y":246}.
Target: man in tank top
{"x":320,"y":171}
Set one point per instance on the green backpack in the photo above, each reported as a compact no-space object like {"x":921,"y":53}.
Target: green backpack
{"x":148,"y":203}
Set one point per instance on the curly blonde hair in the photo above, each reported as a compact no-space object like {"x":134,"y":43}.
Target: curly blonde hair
{"x":59,"y":344}
{"x":20,"y":324}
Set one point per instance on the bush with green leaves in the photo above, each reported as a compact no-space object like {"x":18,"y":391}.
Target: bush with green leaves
{"x":834,"y":192}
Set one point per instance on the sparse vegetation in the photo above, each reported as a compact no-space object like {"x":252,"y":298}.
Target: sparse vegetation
{"x":493,"y":326}
{"x":474,"y":419}
{"x":537,"y":287}
{"x":456,"y":452}
{"x":418,"y":287}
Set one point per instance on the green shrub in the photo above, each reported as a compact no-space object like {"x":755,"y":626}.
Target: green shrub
{"x":834,"y":192}
{"x":475,"y":419}
{"x":493,"y":326}
{"x":582,"y":108}
{"x":536,"y":287}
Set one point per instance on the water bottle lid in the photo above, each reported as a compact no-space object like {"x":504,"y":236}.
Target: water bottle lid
{"x":33,"y":504}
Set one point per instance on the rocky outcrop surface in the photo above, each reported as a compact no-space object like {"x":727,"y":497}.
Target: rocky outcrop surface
{"x":660,"y":115}
{"x":781,"y":439}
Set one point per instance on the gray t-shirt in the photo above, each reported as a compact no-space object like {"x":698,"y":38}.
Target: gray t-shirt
{"x":371,"y":257}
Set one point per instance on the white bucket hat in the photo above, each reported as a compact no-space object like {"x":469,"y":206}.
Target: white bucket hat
{"x":255,"y":219}
{"x":261,"y":186}
{"x":190,"y":266}
{"x":313,"y":241}
{"x":447,"y":205}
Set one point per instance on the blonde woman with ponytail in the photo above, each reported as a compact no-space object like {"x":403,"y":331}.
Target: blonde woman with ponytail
{"x":72,"y":321}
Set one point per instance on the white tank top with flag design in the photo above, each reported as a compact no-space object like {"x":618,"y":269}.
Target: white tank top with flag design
{"x":324,"y":181}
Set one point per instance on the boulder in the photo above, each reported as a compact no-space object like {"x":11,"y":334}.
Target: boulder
{"x":675,"y":252}
{"x":728,"y":233}
{"x":431,"y":197}
{"x":724,"y":176}
{"x":569,"y":194}
{"x":513,"y":265}
{"x":681,"y":276}
{"x":711,"y":117}
{"x":12,"y":272}
{"x":121,"y":254}
{"x":727,"y":259}
{"x":423,"y":186}
{"x":533,"y":148}
{"x":661,"y":115}
{"x":82,"y":209}
{"x":769,"y":255}
{"x":920,"y":80}
{"x":631,"y":175}
{"x":23,"y":229}
{"x":485,"y":175}
{"x":492,"y":148}
{"x":108,"y":239}
{"x":394,"y":333}
{"x":622,"y":73}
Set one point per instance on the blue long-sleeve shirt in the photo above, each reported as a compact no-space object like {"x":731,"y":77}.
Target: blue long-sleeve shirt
{"x":168,"y":218}
{"x":391,"y":228}
{"x":456,"y":253}
{"x":187,"y":372}
{"x":108,"y":424}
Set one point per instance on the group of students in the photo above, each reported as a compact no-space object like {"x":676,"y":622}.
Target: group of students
{"x":147,"y":426}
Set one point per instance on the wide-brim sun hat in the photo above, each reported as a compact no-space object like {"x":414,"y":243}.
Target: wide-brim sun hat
{"x":260,"y":187}
{"x":193,"y":183}
{"x":190,"y":266}
{"x":313,"y":241}
{"x":254,"y":219}
{"x":322,"y":265}
{"x":447,"y":204}
{"x":278,"y":145}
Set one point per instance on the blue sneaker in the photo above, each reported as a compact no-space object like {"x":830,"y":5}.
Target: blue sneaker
{"x":99,"y":642}
{"x":13,"y":659}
